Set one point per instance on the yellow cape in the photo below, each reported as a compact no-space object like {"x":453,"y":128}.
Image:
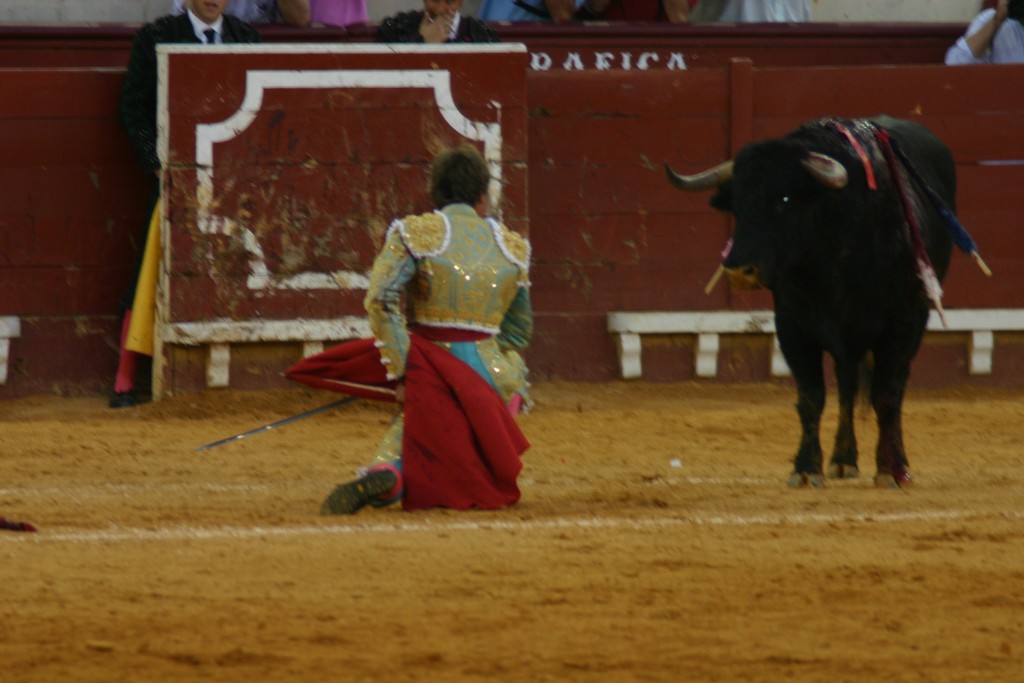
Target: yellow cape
{"x":140,"y":330}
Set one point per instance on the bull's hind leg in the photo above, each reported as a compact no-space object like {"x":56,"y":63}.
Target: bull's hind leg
{"x":844,"y":453}
{"x":890,"y":457}
{"x":887,"y":390}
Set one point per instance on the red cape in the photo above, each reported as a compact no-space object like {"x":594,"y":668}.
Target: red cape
{"x":460,"y":447}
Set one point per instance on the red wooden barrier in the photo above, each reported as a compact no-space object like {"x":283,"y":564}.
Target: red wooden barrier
{"x":71,"y":205}
{"x":608,"y":231}
{"x":280,"y":189}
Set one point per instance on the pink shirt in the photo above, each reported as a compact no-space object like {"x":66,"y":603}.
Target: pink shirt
{"x":338,"y":12}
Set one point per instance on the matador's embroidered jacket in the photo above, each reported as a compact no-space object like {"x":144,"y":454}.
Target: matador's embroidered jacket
{"x":457,"y":271}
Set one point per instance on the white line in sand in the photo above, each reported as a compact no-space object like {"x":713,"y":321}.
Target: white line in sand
{"x":124,"y":534}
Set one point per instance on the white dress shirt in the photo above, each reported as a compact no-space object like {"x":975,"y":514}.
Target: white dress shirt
{"x":1007,"y":46}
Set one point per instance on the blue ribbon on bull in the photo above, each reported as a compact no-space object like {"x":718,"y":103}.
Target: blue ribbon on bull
{"x":925,"y":270}
{"x":956,"y":229}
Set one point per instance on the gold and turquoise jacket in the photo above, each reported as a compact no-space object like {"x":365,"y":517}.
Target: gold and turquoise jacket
{"x":454,"y":270}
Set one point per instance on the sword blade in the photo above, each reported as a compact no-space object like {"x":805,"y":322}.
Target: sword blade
{"x":279,"y":423}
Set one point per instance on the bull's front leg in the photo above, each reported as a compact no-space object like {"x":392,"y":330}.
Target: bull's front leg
{"x":804,"y":358}
{"x":807,"y":463}
{"x":844,"y":453}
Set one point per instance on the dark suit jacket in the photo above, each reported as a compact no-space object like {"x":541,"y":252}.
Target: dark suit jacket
{"x":138,"y":94}
{"x":405,"y":28}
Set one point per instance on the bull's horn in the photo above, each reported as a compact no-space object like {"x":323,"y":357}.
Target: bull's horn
{"x":714,"y":176}
{"x":826,"y":170}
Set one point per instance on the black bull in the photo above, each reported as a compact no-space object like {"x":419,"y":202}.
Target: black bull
{"x":840,"y":261}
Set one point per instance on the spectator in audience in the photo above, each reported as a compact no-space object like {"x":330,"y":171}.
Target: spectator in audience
{"x":751,"y":11}
{"x":674,"y":11}
{"x":558,"y":11}
{"x":294,"y":12}
{"x":440,"y":21}
{"x":996,"y":36}
{"x":204,"y":22}
{"x":338,"y":12}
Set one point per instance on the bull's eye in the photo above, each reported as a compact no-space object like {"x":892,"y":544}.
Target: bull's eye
{"x":783,"y":203}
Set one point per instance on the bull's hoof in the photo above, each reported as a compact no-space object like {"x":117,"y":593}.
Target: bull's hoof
{"x":904,"y":480}
{"x":885,"y":481}
{"x":801,"y":480}
{"x":840,"y":471}
{"x":900,"y":480}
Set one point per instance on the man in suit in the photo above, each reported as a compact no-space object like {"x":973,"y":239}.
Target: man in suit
{"x":138,"y":94}
{"x":293,"y":12}
{"x":204,"y":23}
{"x":440,"y":21}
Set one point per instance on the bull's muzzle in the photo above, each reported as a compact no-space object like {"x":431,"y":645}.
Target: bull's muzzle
{"x":743,"y":277}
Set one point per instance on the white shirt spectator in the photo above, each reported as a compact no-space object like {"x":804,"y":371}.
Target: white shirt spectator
{"x":201,"y":27}
{"x":249,"y":11}
{"x":1007,"y":44}
{"x":752,"y":11}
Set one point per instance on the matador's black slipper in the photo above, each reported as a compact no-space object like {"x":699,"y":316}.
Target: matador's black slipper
{"x":348,"y":498}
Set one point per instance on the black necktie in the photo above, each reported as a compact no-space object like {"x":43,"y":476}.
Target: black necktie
{"x":211,"y":36}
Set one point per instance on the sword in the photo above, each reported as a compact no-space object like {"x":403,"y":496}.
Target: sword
{"x":279,"y":423}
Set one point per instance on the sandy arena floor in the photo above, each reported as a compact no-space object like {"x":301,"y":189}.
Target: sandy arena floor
{"x":656,"y":541}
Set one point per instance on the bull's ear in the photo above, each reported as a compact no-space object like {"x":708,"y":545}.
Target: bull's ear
{"x":826,"y":170}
